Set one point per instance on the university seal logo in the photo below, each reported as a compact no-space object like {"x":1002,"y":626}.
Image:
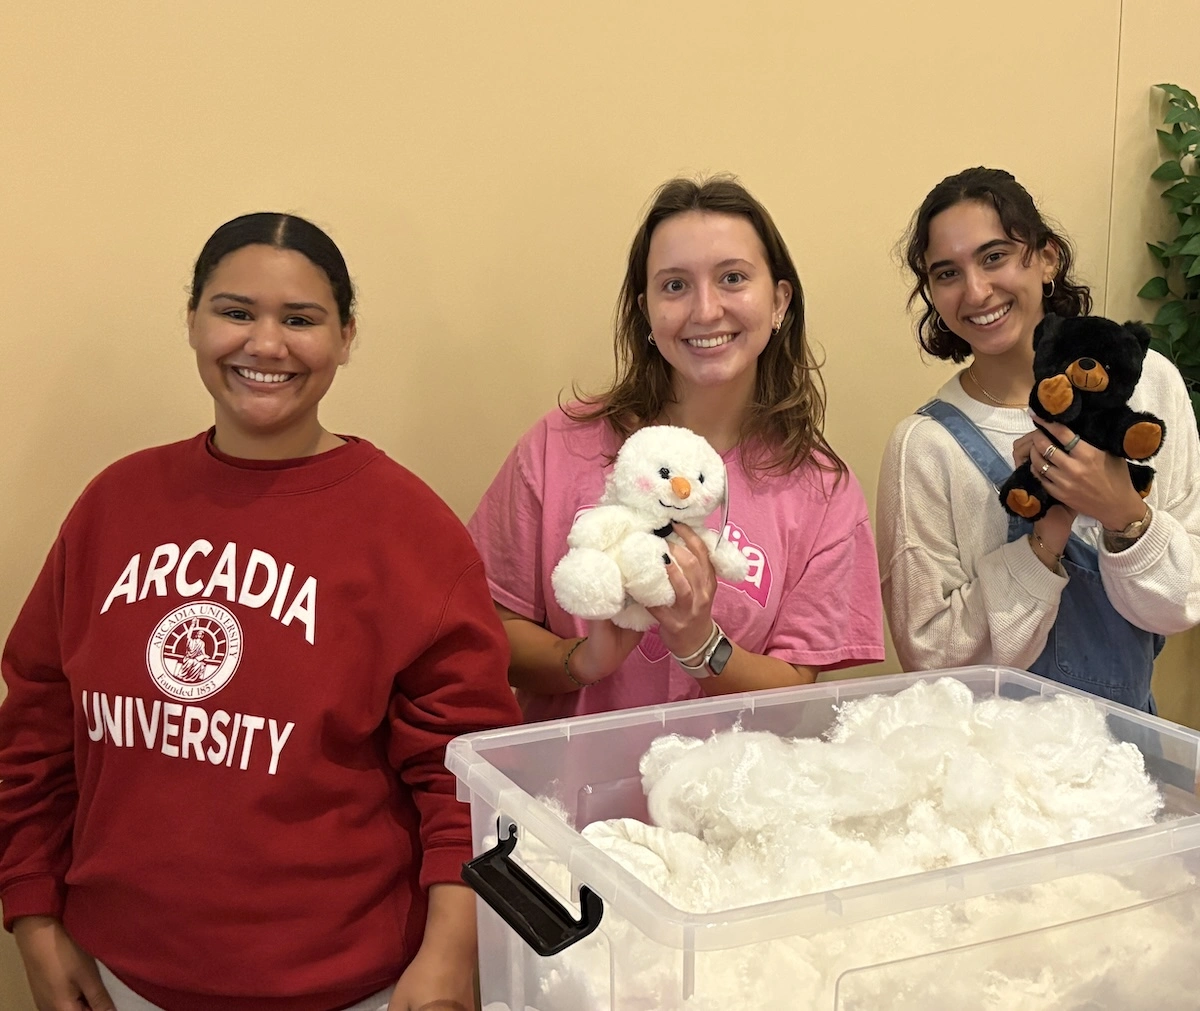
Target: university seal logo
{"x":194,"y":650}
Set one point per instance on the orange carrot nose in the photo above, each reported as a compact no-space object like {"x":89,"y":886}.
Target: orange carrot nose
{"x":681,"y":486}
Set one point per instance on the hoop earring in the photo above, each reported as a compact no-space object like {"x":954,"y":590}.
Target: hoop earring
{"x":650,"y":338}
{"x":776,"y":328}
{"x":1050,"y":293}
{"x":939,"y":324}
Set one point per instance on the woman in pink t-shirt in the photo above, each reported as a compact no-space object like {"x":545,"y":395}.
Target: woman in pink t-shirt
{"x":709,"y":336}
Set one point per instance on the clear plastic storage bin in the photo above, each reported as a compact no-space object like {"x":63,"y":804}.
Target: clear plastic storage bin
{"x":1111,"y":922}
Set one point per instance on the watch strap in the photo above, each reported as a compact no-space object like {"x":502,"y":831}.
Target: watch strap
{"x":1118,"y":540}
{"x":711,"y":657}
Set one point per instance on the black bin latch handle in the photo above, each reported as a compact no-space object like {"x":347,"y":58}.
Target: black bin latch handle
{"x":537,"y":917}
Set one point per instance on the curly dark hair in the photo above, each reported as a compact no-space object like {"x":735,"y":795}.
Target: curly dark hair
{"x":1021,"y":221}
{"x":784,"y":426}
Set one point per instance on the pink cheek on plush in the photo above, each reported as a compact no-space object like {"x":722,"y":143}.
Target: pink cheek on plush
{"x":644,"y":484}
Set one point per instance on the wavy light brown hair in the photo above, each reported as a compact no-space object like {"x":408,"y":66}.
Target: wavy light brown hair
{"x":1021,"y":221}
{"x":783,"y":428}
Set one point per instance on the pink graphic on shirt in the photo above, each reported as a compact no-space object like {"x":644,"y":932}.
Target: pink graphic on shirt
{"x":757,"y":584}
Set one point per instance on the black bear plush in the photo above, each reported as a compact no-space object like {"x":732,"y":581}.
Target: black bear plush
{"x":1084,"y":371}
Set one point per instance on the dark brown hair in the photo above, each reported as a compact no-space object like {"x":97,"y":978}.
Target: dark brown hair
{"x":784,"y":426}
{"x":1020,"y":220}
{"x":281,"y":231}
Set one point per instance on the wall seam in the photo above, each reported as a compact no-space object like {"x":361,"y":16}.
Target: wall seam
{"x":1112,"y":178}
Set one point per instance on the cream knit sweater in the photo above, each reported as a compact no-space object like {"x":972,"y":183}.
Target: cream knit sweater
{"x":955,"y":593}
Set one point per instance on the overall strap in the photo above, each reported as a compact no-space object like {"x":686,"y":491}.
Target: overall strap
{"x":982,"y":453}
{"x":974,"y":443}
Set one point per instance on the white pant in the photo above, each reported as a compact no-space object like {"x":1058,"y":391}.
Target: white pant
{"x":127,"y":1000}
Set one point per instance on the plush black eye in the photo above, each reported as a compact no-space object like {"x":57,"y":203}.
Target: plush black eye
{"x":700,"y":478}
{"x":664,"y":473}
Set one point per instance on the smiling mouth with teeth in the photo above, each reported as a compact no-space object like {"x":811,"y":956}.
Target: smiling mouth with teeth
{"x":991,"y":317}
{"x":709,"y":342}
{"x":263,"y":377}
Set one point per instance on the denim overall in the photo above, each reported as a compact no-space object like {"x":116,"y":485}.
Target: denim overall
{"x":1090,"y":646}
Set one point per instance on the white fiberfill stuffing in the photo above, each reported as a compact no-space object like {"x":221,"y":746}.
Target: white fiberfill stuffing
{"x":925,"y":779}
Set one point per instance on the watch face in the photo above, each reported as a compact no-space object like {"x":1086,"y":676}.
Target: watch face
{"x":720,"y":655}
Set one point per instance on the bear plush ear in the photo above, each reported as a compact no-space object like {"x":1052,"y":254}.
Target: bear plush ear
{"x":1048,"y":327}
{"x":1140,"y":331}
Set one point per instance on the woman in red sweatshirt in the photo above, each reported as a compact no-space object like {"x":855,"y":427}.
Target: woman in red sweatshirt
{"x":231,"y":688}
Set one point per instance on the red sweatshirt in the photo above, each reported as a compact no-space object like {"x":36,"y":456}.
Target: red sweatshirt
{"x":229,"y":696}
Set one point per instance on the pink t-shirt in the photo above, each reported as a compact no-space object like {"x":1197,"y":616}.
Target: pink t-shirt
{"x":812,"y":596}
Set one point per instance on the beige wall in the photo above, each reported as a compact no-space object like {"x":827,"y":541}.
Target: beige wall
{"x":1149,"y":55}
{"x":483,"y":167}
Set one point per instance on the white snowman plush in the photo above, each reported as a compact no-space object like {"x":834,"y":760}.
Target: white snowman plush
{"x":616,"y":565}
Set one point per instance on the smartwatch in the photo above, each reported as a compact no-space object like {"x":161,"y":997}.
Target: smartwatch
{"x":715,"y":655}
{"x":719,"y":655}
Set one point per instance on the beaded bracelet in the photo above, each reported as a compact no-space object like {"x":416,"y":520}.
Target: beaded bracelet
{"x":567,"y":663}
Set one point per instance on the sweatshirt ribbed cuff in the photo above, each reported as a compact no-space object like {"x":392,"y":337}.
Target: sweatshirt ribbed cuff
{"x":1143,"y":553}
{"x":36,"y":895}
{"x":443,"y":865}
{"x":1027,"y":569}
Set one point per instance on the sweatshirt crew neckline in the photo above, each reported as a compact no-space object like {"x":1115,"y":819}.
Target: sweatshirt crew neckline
{"x":296,"y":476}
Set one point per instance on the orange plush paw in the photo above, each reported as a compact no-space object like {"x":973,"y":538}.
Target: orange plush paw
{"x":1022,"y":503}
{"x":1142,"y":440}
{"x":1055,"y":394}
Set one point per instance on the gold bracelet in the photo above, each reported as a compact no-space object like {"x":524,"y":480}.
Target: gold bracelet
{"x":567,"y":663}
{"x":1054,"y":554}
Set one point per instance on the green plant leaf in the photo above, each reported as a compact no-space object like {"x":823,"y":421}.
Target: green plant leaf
{"x":1184,"y":191}
{"x":1171,"y":312}
{"x":1157,"y":253}
{"x":1168,"y":170}
{"x":1191,"y":226}
{"x":1156,"y":287}
{"x":1191,"y":378}
{"x":1183,"y":115}
{"x":1194,"y":269}
{"x":1191,"y":247}
{"x":1174,"y":91}
{"x":1185,"y":353}
{"x":1186,"y":356}
{"x":1170,"y":141}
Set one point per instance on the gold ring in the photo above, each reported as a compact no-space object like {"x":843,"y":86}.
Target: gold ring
{"x":1050,"y":451}
{"x":1045,"y":467}
{"x":1071,"y":445}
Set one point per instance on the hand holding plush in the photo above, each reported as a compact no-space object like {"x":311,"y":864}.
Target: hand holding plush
{"x":616,"y":565}
{"x":1085,"y":369}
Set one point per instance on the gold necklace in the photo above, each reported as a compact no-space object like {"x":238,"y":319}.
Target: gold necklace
{"x":994,"y":400}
